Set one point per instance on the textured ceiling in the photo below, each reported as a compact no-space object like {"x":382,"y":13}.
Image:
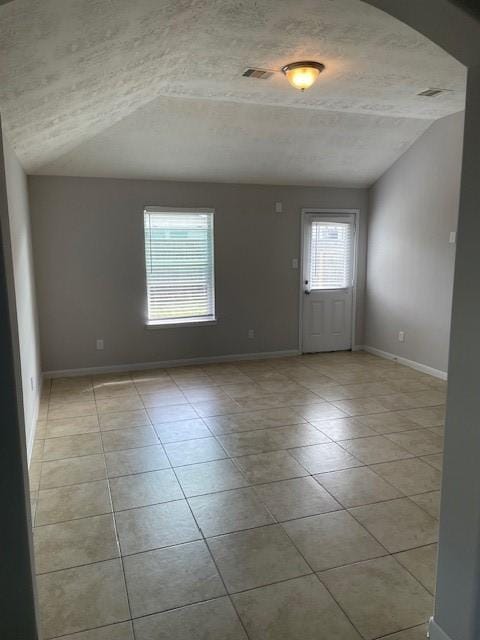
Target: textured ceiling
{"x":205,"y":140}
{"x":153,"y":88}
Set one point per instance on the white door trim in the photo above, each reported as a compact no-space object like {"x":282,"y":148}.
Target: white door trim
{"x":328,"y":212}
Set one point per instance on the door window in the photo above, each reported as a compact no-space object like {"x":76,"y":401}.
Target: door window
{"x":331,"y":259}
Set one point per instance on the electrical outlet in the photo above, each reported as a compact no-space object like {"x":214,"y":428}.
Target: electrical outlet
{"x":100,"y":344}
{"x":401,"y":336}
{"x":278,"y":207}
{"x":251,"y":333}
{"x":453,"y":237}
{"x":294,"y":263}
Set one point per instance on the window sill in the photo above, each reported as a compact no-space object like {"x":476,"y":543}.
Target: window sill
{"x":170,"y":324}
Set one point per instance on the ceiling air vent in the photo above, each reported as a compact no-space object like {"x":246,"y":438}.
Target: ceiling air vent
{"x":431,"y":93}
{"x":259,"y":74}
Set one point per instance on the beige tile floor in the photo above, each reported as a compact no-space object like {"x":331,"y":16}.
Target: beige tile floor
{"x":283,"y":499}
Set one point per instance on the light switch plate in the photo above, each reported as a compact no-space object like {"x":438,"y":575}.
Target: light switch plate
{"x":453,"y":237}
{"x":294,"y":263}
{"x":278,"y":207}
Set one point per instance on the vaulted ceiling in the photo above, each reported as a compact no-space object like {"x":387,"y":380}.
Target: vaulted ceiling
{"x":154,"y":89}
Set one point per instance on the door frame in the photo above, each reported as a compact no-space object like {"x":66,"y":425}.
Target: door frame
{"x":328,"y":212}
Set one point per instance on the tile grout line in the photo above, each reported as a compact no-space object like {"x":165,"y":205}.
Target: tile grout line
{"x":403,"y":497}
{"x":292,"y":407}
{"x":116,"y":535}
{"x":340,"y":606}
{"x":234,"y":460}
{"x":210,"y":553}
{"x":404,"y":494}
{"x":310,"y":566}
{"x":221,"y":535}
{"x":100,"y":432}
{"x":413,"y":575}
{"x":317,"y":576}
{"x":387,"y":554}
{"x":415,"y":626}
{"x":149,"y":615}
{"x":252,"y":487}
{"x":238,"y":456}
{"x":391,"y":554}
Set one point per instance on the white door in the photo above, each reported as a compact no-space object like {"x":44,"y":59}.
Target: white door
{"x":328,"y":281}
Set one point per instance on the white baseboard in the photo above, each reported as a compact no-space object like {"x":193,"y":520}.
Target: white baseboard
{"x":436,"y":632}
{"x":437,"y":373}
{"x":33,"y":422}
{"x":31,"y":439}
{"x":165,"y":364}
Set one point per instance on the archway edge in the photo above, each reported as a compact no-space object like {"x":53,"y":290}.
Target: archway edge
{"x":449,"y":24}
{"x":455,"y":26}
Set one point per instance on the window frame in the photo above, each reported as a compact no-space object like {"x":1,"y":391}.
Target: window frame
{"x":179,"y":322}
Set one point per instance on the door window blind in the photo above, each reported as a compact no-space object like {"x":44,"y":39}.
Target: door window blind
{"x":179,"y":265}
{"x":331,"y":259}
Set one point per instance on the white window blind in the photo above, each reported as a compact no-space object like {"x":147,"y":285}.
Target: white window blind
{"x":179,"y":265}
{"x":331,"y":259}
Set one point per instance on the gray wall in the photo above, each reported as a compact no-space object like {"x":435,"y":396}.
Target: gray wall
{"x":24,"y":286}
{"x":413,"y":208}
{"x":89,"y":260}
{"x":457,"y":609}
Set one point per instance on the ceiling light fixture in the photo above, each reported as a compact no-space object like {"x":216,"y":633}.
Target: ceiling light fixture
{"x":301,"y":75}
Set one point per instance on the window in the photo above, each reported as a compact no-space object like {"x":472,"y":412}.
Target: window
{"x":179,"y":265}
{"x":331,"y":249}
